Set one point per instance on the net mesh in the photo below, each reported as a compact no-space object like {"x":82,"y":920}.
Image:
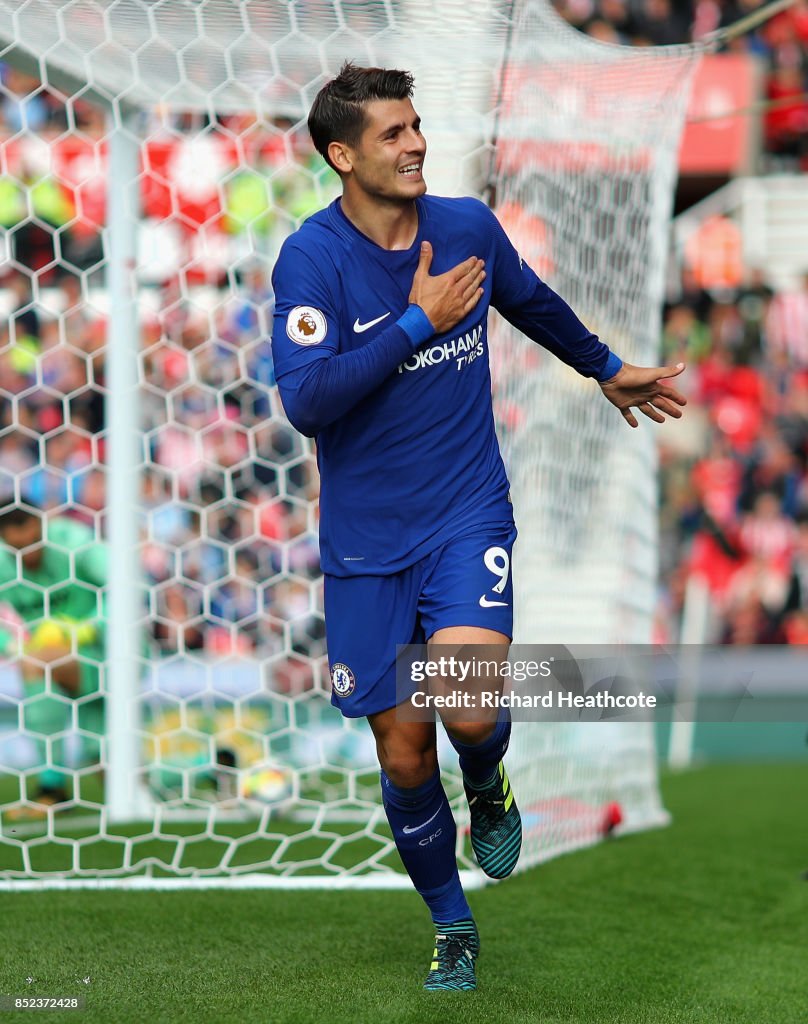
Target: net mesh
{"x":585,"y":189}
{"x":245,"y":766}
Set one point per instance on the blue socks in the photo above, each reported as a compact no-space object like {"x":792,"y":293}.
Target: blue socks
{"x":478,"y":761}
{"x":425,"y":833}
{"x":424,"y":828}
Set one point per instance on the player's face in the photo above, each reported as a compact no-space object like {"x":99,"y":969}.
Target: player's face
{"x":388,"y":161}
{"x":25,"y":535}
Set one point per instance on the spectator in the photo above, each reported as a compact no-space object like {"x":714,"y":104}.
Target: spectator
{"x":662,"y":24}
{"x":796,"y":599}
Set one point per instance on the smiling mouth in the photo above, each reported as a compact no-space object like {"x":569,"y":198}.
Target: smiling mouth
{"x":411,"y":170}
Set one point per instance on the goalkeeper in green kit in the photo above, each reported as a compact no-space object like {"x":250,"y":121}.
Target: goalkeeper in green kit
{"x":52,"y":579}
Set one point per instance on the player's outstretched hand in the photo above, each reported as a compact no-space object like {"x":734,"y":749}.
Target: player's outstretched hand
{"x":447,"y":298}
{"x":644,"y":387}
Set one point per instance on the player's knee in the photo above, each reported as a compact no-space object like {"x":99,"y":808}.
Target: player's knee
{"x":470,"y":733}
{"x":406,"y":767}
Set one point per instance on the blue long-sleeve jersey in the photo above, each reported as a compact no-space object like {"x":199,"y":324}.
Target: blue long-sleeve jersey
{"x":403,"y":417}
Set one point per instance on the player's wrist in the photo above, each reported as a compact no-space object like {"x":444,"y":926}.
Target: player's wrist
{"x":416,"y":324}
{"x":612,"y":366}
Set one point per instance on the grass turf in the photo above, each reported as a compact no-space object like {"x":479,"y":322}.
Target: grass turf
{"x":702,"y":923}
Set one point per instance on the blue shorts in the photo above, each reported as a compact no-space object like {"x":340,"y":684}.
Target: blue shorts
{"x":467,"y":582}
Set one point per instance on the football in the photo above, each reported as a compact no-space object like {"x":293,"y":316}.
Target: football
{"x":266,"y":784}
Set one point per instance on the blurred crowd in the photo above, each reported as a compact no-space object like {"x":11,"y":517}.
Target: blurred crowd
{"x":735,"y":503}
{"x":229,"y":546}
{"x":229,"y":531}
{"x":781,"y":43}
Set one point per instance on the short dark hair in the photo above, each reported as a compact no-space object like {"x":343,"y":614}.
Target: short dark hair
{"x":16,"y":515}
{"x":338,"y":115}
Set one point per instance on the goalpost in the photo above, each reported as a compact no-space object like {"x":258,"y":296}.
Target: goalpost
{"x":221,"y":758}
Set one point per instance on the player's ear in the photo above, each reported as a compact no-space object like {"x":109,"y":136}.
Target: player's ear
{"x":340,"y":155}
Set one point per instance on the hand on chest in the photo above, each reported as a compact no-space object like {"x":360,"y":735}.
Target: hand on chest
{"x":374,"y":296}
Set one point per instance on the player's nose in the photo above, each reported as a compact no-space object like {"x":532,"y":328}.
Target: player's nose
{"x":416,"y":144}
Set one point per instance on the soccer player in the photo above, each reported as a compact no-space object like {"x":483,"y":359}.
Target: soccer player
{"x":381,"y":354}
{"x":52,"y":575}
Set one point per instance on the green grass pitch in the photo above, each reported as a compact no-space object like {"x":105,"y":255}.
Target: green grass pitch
{"x":705,"y":922}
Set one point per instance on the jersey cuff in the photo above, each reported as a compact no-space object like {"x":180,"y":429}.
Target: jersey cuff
{"x":612,"y":366}
{"x":416,"y":324}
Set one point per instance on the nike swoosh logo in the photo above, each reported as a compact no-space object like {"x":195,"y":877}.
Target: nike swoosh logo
{"x":372,"y":323}
{"x":417,"y":828}
{"x":485,"y":603}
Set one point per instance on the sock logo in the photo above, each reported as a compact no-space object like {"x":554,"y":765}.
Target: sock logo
{"x":426,"y":842}
{"x":417,"y":828}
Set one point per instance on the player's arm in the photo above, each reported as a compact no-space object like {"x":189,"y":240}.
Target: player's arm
{"x":537,"y":311}
{"x":318,"y":384}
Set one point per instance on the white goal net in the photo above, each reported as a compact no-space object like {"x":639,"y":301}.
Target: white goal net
{"x":164,"y":679}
